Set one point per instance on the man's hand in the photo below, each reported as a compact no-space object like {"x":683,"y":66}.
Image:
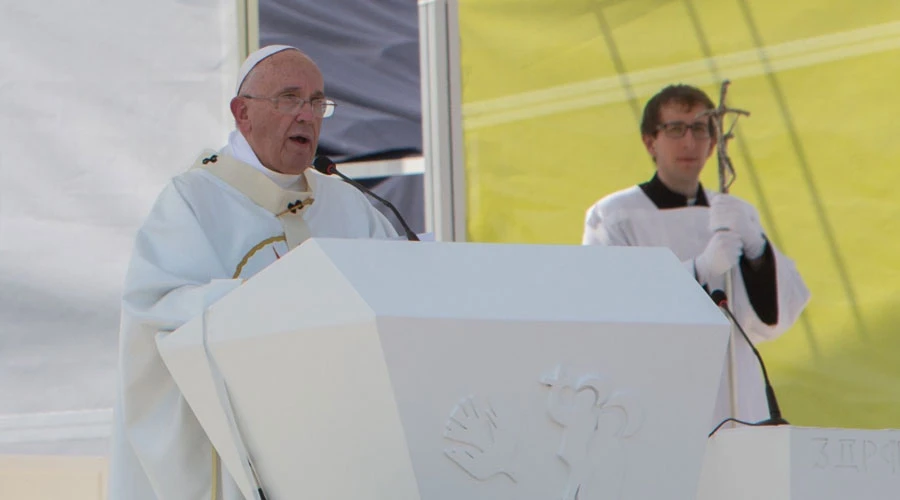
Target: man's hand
{"x":721,"y":254}
{"x":727,"y":212}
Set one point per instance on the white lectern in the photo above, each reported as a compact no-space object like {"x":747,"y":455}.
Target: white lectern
{"x":393,"y":370}
{"x":801,"y":463}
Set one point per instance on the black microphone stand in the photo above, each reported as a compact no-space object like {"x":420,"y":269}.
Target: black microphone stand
{"x":775,"y":417}
{"x":326,"y":166}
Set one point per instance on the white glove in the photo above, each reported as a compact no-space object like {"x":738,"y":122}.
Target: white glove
{"x":728,"y":212}
{"x":721,"y":254}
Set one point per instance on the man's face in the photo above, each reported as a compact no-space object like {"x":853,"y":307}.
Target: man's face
{"x":681,"y":159}
{"x":283,"y":142}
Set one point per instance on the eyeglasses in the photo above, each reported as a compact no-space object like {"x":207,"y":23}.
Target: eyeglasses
{"x":677,"y":130}
{"x":290,"y":104}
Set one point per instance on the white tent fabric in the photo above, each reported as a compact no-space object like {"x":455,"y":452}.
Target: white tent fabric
{"x":102,"y":103}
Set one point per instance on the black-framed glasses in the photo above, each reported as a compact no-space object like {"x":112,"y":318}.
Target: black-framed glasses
{"x":677,"y":130}
{"x":290,"y":104}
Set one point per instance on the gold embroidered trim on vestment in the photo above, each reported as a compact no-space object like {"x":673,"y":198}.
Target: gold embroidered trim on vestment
{"x":259,"y":246}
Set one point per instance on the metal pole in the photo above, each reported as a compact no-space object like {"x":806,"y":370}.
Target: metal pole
{"x":726,"y":178}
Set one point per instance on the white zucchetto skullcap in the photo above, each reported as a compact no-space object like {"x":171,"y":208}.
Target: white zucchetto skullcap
{"x":255,"y":58}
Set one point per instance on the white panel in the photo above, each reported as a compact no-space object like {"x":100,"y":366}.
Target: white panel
{"x":102,"y":103}
{"x":642,"y":435}
{"x":442,"y":139}
{"x":523,"y":282}
{"x":747,"y":464}
{"x":53,"y":478}
{"x":802,"y":463}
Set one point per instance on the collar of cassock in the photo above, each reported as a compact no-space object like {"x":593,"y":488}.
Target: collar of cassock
{"x":256,"y":185}
{"x":663,"y":197}
{"x":286,"y":205}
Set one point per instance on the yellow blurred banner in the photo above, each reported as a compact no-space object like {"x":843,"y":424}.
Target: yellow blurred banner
{"x":552,"y":96}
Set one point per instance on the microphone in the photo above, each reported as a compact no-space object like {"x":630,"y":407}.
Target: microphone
{"x":324,"y":165}
{"x":718,"y":296}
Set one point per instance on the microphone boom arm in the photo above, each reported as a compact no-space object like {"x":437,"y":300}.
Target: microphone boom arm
{"x":324,"y":165}
{"x":410,"y":234}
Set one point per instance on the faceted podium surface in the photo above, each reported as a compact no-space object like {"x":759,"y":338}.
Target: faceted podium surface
{"x":396,"y":370}
{"x":801,"y":463}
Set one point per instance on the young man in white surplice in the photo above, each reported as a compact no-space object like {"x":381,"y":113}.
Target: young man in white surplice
{"x":713,"y":234}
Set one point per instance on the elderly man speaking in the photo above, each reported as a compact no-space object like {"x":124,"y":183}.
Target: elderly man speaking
{"x":231,"y":215}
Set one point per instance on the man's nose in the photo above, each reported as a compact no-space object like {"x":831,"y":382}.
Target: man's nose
{"x":305,"y":113}
{"x":688,"y":140}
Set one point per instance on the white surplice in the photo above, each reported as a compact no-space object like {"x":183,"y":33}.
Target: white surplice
{"x":630,"y":218}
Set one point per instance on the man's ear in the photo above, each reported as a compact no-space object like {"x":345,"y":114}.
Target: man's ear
{"x":650,"y":144}
{"x":241,"y":114}
{"x":712,"y":147}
